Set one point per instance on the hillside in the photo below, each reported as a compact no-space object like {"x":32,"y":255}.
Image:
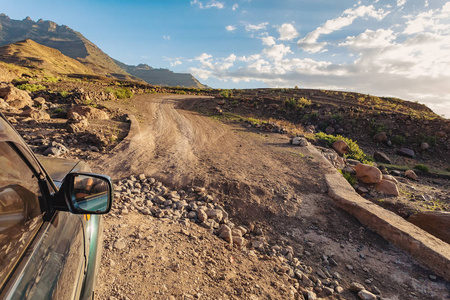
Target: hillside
{"x":32,"y":55}
{"x":162,"y":77}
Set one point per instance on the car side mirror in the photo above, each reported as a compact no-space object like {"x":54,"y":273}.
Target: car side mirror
{"x":85,"y":193}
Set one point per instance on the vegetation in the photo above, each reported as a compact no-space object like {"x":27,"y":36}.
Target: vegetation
{"x":422,"y":167}
{"x":296,"y":104}
{"x":31,"y":87}
{"x":398,"y":140}
{"x":120,"y":93}
{"x":64,"y":94}
{"x":354,"y":151}
{"x":349,"y":177}
{"x":226,"y":93}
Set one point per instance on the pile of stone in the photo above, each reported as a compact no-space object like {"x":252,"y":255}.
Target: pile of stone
{"x":268,"y":127}
{"x":194,"y":205}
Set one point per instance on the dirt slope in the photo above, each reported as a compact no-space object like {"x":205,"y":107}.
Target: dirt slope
{"x":264,"y":183}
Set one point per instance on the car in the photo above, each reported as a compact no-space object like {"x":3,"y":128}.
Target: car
{"x":50,"y":222}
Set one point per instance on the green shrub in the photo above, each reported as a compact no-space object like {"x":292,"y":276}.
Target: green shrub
{"x":422,"y":167}
{"x":349,"y":177}
{"x":226,"y":93}
{"x":354,"y":151}
{"x":398,"y":140}
{"x":50,"y":79}
{"x":64,"y":94}
{"x":123,"y":93}
{"x":296,"y":104}
{"x":31,"y":87}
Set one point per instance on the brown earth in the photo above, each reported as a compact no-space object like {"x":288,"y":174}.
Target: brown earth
{"x":263,"y":183}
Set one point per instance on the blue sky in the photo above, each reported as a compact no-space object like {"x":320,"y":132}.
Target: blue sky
{"x":397,"y":48}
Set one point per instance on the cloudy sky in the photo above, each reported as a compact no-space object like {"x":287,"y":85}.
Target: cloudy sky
{"x":397,"y":48}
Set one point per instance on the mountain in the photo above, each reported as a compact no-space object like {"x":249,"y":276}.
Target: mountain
{"x":32,"y":55}
{"x":74,"y":45}
{"x":162,"y":77}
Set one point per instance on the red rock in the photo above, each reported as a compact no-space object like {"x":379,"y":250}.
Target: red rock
{"x":368,"y":174}
{"x":411,"y":175}
{"x":341,"y":147}
{"x":387,"y":187}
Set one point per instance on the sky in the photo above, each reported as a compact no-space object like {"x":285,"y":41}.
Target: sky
{"x":396,"y":48}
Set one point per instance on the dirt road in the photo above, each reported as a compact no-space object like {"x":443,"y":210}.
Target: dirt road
{"x":264,"y":183}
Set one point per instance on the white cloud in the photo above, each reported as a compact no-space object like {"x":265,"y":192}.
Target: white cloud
{"x":277,"y":52}
{"x":235,"y":6}
{"x":268,"y":40}
{"x":230,"y":28}
{"x":370,"y":39}
{"x":166,"y":37}
{"x":401,"y":3}
{"x":175,"y":63}
{"x":200,"y":73}
{"x":210,"y":4}
{"x":310,"y":44}
{"x":287,"y":32}
{"x":252,"y":27}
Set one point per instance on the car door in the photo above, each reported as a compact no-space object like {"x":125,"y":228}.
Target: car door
{"x":41,"y":252}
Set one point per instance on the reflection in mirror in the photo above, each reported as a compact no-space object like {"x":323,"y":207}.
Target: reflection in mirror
{"x":91,"y":193}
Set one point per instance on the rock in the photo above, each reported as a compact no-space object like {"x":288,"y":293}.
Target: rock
{"x":390,"y":178}
{"x":424,"y":146}
{"x":361,"y":189}
{"x":35,"y":114}
{"x":238,"y":241}
{"x":406,"y":152}
{"x":435,"y":222}
{"x":341,"y":147}
{"x":76,"y":123}
{"x":411,"y":175}
{"x":356,"y":287}
{"x":381,"y":157}
{"x":396,"y":173}
{"x":15,"y":97}
{"x":215,"y":214}
{"x":52,"y":151}
{"x":387,"y":187}
{"x":311,"y":295}
{"x":329,"y":130}
{"x":366,"y":295}
{"x":310,"y":129}
{"x":88,"y":112}
{"x":225,"y":233}
{"x":201,"y":215}
{"x":120,"y":244}
{"x":367,"y":173}
{"x":339,"y":289}
{"x":380,"y":137}
{"x":352,"y":162}
{"x":39,"y":102}
{"x":299,"y":141}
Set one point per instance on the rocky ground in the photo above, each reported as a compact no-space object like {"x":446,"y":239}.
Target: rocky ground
{"x":209,"y":208}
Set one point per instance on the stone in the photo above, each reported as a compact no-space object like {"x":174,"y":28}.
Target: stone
{"x":339,"y":289}
{"x":35,"y":114}
{"x":329,"y":130}
{"x":39,"y":101}
{"x":341,"y":147}
{"x":356,"y":287}
{"x":120,"y":244}
{"x":89,"y":112}
{"x":381,"y":157}
{"x":390,"y":178}
{"x":411,"y":175}
{"x":238,"y":241}
{"x":225,"y":233}
{"x":380,"y":137}
{"x":435,"y":222}
{"x":387,"y":187}
{"x":366,"y":295}
{"x":15,"y":97}
{"x":299,"y":141}
{"x":424,"y":146}
{"x":367,"y":173}
{"x":310,"y":129}
{"x":201,"y":215}
{"x":406,"y":152}
{"x":52,"y":151}
{"x":215,"y":214}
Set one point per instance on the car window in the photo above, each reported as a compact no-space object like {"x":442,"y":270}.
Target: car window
{"x":20,"y":212}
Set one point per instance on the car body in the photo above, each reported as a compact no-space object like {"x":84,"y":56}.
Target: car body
{"x":50,"y":223}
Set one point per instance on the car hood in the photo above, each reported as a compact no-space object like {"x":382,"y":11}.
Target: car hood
{"x":58,"y":168}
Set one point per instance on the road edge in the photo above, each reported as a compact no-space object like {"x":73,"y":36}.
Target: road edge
{"x":422,"y":246}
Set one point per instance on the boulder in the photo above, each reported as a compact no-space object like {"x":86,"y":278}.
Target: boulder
{"x":390,"y":178}
{"x":406,"y":152}
{"x":424,"y":146}
{"x":89,"y":112}
{"x":366,"y":295}
{"x":35,"y":114}
{"x":411,"y":175}
{"x":381,"y":157}
{"x":299,"y":141}
{"x":435,"y":222}
{"x":15,"y":97}
{"x":380,"y":137}
{"x":329,"y":130}
{"x":387,"y":187}
{"x":367,"y":173}
{"x":341,"y":147}
{"x":39,"y":101}
{"x":76,"y":123}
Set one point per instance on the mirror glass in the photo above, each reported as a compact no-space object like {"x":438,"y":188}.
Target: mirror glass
{"x":91,"y":193}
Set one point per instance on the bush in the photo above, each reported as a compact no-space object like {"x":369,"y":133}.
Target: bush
{"x":349,"y":177}
{"x":296,"y":104}
{"x":398,"y":140}
{"x":226,"y":93}
{"x":422,"y":167}
{"x":123,"y":93}
{"x":64,"y":94}
{"x":31,"y":87}
{"x":354,"y":151}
